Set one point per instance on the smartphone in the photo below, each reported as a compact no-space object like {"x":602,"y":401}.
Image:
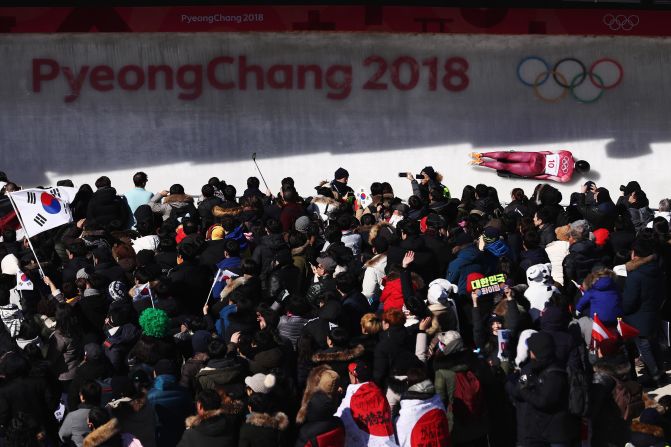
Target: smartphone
{"x":402,"y":174}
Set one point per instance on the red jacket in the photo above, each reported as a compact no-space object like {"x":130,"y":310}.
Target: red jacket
{"x":392,"y":295}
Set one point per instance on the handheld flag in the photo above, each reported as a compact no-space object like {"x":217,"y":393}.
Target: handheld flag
{"x":40,"y":211}
{"x":221,"y":277}
{"x":626,"y":331}
{"x":143,"y":292}
{"x":599,"y":331}
{"x":23,"y":282}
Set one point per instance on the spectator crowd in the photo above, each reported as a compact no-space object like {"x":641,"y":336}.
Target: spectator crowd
{"x":328,"y":319}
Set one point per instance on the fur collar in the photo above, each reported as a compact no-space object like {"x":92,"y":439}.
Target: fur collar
{"x":619,"y":368}
{"x":341,"y":355}
{"x":376,"y":260}
{"x":220,"y":211}
{"x":102,"y":434}
{"x":321,"y":200}
{"x":652,"y":430}
{"x":173,"y":198}
{"x":636,"y":263}
{"x":277,"y":421}
{"x":231,"y":286}
{"x":298,"y":251}
{"x":377,"y":228}
{"x":234,"y":407}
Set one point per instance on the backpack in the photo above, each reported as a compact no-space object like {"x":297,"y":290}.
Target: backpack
{"x":468,"y":400}
{"x":578,"y":398}
{"x":177,"y":213}
{"x":578,"y":394}
{"x":106,"y":395}
{"x":628,"y":395}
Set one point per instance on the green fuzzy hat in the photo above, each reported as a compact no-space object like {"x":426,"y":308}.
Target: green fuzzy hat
{"x":154,"y":322}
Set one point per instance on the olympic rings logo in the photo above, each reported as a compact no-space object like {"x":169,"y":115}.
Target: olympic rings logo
{"x":620,"y":22}
{"x":564,"y":165}
{"x":567,"y":83}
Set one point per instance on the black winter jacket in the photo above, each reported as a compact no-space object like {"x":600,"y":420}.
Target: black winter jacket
{"x":108,"y":210}
{"x":543,"y":404}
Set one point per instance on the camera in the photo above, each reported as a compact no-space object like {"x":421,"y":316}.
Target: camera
{"x":405,"y":174}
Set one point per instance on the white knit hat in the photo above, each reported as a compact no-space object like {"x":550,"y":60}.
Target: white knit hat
{"x":440,"y":289}
{"x":261,"y":383}
{"x":9,"y":265}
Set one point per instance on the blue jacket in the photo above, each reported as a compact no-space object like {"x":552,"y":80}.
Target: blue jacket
{"x":604,"y":299}
{"x":173,"y":405}
{"x":222,"y":322}
{"x":232,"y":264}
{"x":469,"y":260}
{"x":238,"y":235}
{"x":642,"y":298}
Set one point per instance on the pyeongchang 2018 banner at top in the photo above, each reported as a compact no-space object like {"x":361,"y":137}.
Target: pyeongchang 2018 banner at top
{"x":187,"y":106}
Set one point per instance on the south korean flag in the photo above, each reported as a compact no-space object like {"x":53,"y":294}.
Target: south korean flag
{"x":23,"y":282}
{"x":40,"y":211}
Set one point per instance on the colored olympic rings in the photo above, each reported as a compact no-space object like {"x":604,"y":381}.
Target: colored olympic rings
{"x":569,"y":86}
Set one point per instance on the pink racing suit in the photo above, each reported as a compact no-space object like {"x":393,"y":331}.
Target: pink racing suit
{"x":556,"y":166}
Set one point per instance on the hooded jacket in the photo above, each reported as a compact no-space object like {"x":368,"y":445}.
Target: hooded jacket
{"x":468,"y":260}
{"x":172,"y":404}
{"x":542,"y":399}
{"x":582,"y":257}
{"x":107,"y":209}
{"x":118,"y":345}
{"x":604,"y":299}
{"x":171,"y":202}
{"x":109,"y":434}
{"x":608,"y":425}
{"x":321,"y":427}
{"x":644,"y":290}
{"x":263,"y":429}
{"x":213,"y":428}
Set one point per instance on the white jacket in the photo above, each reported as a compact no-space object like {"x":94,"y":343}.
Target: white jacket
{"x":372,"y":278}
{"x":557,"y":251}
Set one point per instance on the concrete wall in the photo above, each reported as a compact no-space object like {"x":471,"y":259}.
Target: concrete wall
{"x":79,"y":106}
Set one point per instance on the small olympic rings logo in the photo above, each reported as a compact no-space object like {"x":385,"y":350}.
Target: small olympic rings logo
{"x":620,"y":22}
{"x":534,"y":71}
{"x":564,"y":165}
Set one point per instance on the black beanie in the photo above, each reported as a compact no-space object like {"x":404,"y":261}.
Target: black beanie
{"x":542,"y":345}
{"x":430,"y":172}
{"x":341,"y":173}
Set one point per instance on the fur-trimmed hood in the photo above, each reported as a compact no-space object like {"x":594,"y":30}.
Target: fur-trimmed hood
{"x":322,"y":200}
{"x":277,"y":421}
{"x":220,"y":211}
{"x":338,"y":355}
{"x":174,"y":198}
{"x":617,"y":367}
{"x":231,"y":286}
{"x":640,"y":427}
{"x":321,"y":378}
{"x":637,"y":263}
{"x":379,"y":228}
{"x":376,"y":260}
{"x":233,"y":408}
{"x":102,"y":434}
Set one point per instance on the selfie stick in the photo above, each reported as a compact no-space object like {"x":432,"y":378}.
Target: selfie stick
{"x":258,"y":169}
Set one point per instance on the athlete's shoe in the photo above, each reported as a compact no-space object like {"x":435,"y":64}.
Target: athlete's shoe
{"x":476,"y":158}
